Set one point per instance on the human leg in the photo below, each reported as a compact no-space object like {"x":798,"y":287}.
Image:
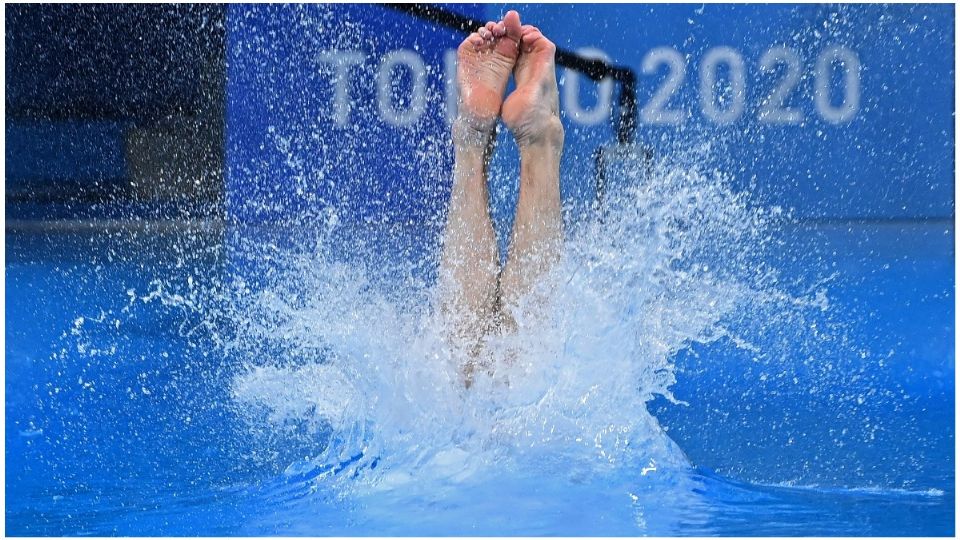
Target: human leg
{"x":532,"y":113}
{"x":469,"y":264}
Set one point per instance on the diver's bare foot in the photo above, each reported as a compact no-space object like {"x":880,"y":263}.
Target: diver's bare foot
{"x":484,"y":63}
{"x":532,"y":111}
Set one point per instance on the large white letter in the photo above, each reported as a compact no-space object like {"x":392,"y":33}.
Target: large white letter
{"x":851,"y":84}
{"x":571,"y":93}
{"x":342,"y":61}
{"x":418,"y":94}
{"x":773,"y":109}
{"x":708,"y":83}
{"x":655,"y":112}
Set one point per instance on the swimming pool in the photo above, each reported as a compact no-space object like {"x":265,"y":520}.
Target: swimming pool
{"x":750,"y":332}
{"x":127,"y":412}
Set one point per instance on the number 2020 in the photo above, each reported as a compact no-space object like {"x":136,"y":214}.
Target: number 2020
{"x":727,"y":107}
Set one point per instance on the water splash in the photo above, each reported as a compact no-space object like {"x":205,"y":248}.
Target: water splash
{"x":361,"y":363}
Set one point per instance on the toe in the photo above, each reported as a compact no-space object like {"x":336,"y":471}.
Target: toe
{"x":484,"y":33}
{"x":532,"y":37}
{"x":511,"y":24}
{"x":499,"y":30}
{"x":475,"y":39}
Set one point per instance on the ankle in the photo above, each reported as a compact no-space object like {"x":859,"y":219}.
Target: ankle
{"x":547,"y":134}
{"x":469,"y":134}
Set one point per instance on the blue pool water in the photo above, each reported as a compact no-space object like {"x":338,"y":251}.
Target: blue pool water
{"x":194,"y":382}
{"x":750,"y":330}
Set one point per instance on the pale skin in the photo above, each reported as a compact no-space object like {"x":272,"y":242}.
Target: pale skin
{"x":477,"y":295}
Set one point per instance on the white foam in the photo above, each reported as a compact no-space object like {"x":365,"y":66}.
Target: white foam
{"x":568,"y":390}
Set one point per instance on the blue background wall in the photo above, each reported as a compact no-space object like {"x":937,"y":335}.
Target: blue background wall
{"x":892,"y":158}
